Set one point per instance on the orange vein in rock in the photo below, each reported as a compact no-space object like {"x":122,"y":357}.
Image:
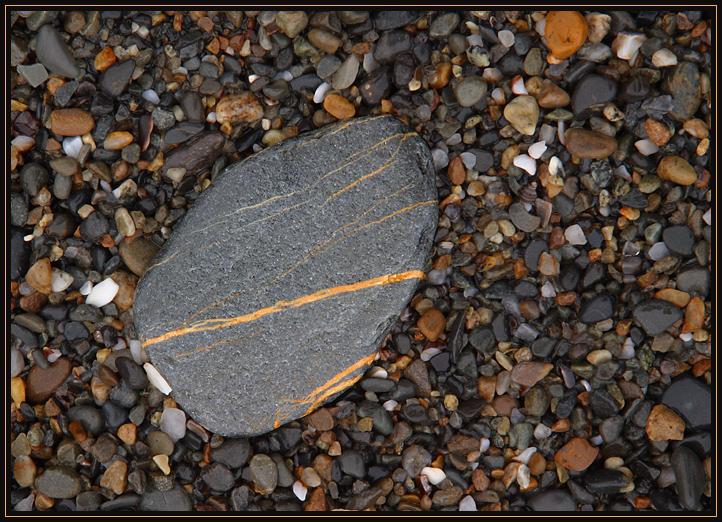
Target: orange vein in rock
{"x":280,"y":306}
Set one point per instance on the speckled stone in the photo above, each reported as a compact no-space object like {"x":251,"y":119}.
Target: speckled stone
{"x":277,"y":287}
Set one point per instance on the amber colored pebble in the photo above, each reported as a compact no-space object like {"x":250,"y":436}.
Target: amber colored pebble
{"x":565,"y":32}
{"x":104,"y":59}
{"x":339,"y":107}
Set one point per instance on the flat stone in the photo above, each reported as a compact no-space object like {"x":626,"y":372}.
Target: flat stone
{"x":655,"y":315}
{"x":115,"y":79}
{"x":597,"y":309}
{"x":686,"y":89}
{"x":137,"y":254}
{"x":53,"y":53}
{"x":664,"y":424}
{"x":592,"y":92}
{"x":576,"y":455}
{"x":690,"y":477}
{"x":60,"y":482}
{"x":175,"y":499}
{"x":552,"y":500}
{"x":587,"y":144}
{"x":42,"y":382}
{"x":290,"y":259}
{"x":679,"y":240}
{"x":691,"y":398}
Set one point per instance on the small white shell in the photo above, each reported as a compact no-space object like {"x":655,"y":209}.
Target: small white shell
{"x":526,"y":163}
{"x":537,"y":149}
{"x":156,"y":379}
{"x":434,"y":475}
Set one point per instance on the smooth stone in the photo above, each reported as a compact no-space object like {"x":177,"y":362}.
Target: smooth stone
{"x":694,"y":281}
{"x":552,"y":500}
{"x":587,"y":144}
{"x":384,"y":20}
{"x":59,"y":482}
{"x":685,"y":86}
{"x":217,"y":477}
{"x":137,"y":254}
{"x":233,"y":453}
{"x":656,"y":315}
{"x":90,"y":417}
{"x":522,"y":219}
{"x":605,"y":481}
{"x":690,"y":477}
{"x":115,"y":79}
{"x":592,"y":92}
{"x":264,"y":473}
{"x":391,"y":44}
{"x":175,"y":499}
{"x":197,"y":154}
{"x":35,"y":74}
{"x":256,"y":235}
{"x":691,"y":398}
{"x":42,"y":382}
{"x":53,"y":53}
{"x":597,"y":309}
{"x":679,"y":240}
{"x":523,"y":114}
{"x":470,"y":91}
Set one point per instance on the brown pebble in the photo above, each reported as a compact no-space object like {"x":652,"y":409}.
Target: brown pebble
{"x":694,"y":315}
{"x":551,"y":96}
{"x":576,"y":455}
{"x":432,"y":324}
{"x":528,"y":373}
{"x":586,"y":144}
{"x":316,"y":501}
{"x":321,"y":419}
{"x":486,"y":387}
{"x":115,"y":477}
{"x":71,"y":122}
{"x":657,"y":132}
{"x":456,"y":171}
{"x":128,"y":433}
{"x":42,"y":382}
{"x":104,"y":59}
{"x":677,"y":297}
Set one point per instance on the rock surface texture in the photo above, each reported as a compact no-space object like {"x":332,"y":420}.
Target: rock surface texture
{"x":278,"y":286}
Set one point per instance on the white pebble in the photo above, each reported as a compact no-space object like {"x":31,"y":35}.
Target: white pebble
{"x":320,"y":92}
{"x":370,"y":64}
{"x":708,"y":216}
{"x":102,"y":293}
{"x":525,"y":455}
{"x":686,"y":337}
{"x":586,"y":385}
{"x":378,"y":372}
{"x":72,"y":146}
{"x":575,"y":235}
{"x":53,"y":356}
{"x":523,"y":476}
{"x":506,"y":37}
{"x":526,"y":163}
{"x":537,"y":149}
{"x":542,"y":431}
{"x":151,"y":96}
{"x":627,"y":44}
{"x":547,"y":290}
{"x":156,"y":379}
{"x":300,"y":490}
{"x":86,"y":288}
{"x":390,"y":405}
{"x":211,"y":117}
{"x":658,"y":251}
{"x":427,"y":354}
{"x":137,"y":351}
{"x":484,"y":444}
{"x":627,"y":350}
{"x":434,"y":475}
{"x":252,"y":78}
{"x":646,"y":147}
{"x":555,"y":166}
{"x":467,"y":504}
{"x":468,"y":159}
{"x":284,"y":75}
{"x":517,"y":85}
{"x":60,"y":280}
{"x":664,"y":58}
{"x":173,"y":422}
{"x":596,"y":440}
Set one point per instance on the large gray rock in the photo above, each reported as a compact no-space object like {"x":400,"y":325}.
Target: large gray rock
{"x":273,"y":294}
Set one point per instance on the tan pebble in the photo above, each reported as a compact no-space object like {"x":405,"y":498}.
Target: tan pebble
{"x":432,"y":324}
{"x":128,"y":433}
{"x":658,"y":132}
{"x":39,"y":276}
{"x":694,"y":315}
{"x":162,"y":462}
{"x":456,"y":171}
{"x":24,"y":471}
{"x":674,"y":296}
{"x":677,"y":170}
{"x":664,"y":424}
{"x":338,"y":106}
{"x":117,"y":140}
{"x":115,"y":477}
{"x":237,"y":108}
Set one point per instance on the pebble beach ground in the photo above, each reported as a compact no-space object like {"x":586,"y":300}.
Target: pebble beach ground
{"x":557,"y":355}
